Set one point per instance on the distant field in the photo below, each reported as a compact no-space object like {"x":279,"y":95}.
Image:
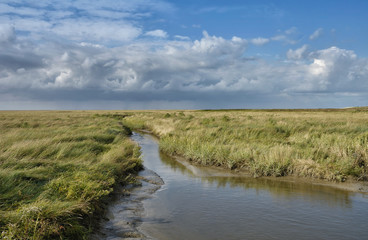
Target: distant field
{"x":329,"y":144}
{"x":56,"y":168}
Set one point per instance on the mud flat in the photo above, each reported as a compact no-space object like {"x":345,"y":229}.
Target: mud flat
{"x":126,"y":213}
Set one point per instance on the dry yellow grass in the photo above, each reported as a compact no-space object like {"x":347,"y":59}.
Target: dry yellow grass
{"x":325,"y":144}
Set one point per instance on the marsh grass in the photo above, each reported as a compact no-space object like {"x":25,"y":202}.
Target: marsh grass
{"x":56,"y":170}
{"x":325,"y":143}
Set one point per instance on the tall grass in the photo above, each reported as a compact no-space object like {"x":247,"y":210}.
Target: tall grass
{"x":56,"y":169}
{"x":326,"y":144}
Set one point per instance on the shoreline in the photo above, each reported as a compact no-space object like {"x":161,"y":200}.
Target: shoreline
{"x":125,"y":214}
{"x":129,"y":201}
{"x":348,"y":185}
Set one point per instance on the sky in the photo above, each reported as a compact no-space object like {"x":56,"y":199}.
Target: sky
{"x":166,"y":54}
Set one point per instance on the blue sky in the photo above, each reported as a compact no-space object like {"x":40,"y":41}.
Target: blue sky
{"x":343,"y":23}
{"x":149,"y":54}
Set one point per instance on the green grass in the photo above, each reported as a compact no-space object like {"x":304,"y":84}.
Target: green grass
{"x":323,"y":143}
{"x":57,"y":169}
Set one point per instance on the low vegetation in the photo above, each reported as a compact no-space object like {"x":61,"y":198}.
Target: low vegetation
{"x":57,"y":169}
{"x":325,"y":144}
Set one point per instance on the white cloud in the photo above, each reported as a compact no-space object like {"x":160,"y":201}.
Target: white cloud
{"x":179,"y":70}
{"x":283,"y":38}
{"x":86,"y":50}
{"x":183,"y":38}
{"x":109,"y":22}
{"x":333,"y":70}
{"x":93,"y":30}
{"x":316,"y":34}
{"x":208,"y":64}
{"x":31,"y":25}
{"x":219,"y":46}
{"x":260,"y":41}
{"x":87,"y":44}
{"x":7,"y":33}
{"x":279,"y":38}
{"x":157,"y":33}
{"x":256,"y":10}
{"x":24,"y":11}
{"x":318,"y":67}
{"x":81,"y":29}
{"x":291,"y":30}
{"x":297,"y":54}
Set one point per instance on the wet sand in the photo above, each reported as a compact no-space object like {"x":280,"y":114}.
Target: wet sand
{"x":125,"y":214}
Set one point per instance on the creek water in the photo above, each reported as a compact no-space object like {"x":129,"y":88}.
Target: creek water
{"x":189,"y":202}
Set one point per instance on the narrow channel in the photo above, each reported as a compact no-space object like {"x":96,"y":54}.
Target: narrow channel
{"x":188,"y":202}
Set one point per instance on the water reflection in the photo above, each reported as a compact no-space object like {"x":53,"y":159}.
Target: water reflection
{"x":207,"y":203}
{"x":278,"y":188}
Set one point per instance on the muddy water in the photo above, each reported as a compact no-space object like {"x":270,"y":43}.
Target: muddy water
{"x":187,"y":202}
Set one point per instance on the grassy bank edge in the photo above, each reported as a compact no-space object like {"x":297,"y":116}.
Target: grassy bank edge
{"x":76,"y":218}
{"x":351,"y":185}
{"x":351,"y":182}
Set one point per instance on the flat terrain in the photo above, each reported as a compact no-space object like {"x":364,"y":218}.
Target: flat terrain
{"x":324,"y":144}
{"x":57,"y":168}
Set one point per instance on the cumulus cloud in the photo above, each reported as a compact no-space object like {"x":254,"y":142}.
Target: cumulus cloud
{"x":316,"y":34}
{"x":219,"y":46}
{"x":333,"y":70}
{"x":297,"y":54}
{"x":185,"y":72}
{"x":180,"y":69}
{"x":174,"y":65}
{"x":157,"y":33}
{"x":79,"y":53}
